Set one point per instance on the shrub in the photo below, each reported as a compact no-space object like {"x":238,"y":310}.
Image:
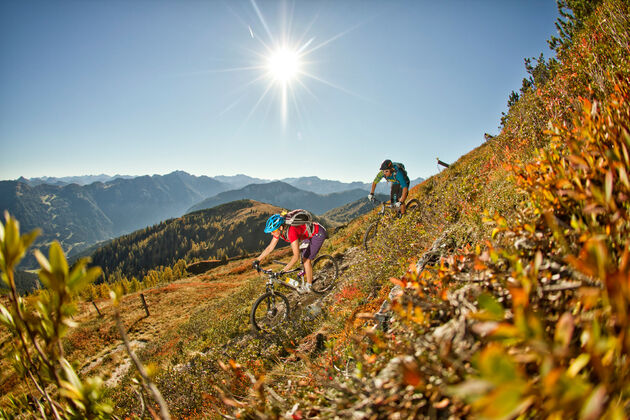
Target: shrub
{"x":38,"y":328}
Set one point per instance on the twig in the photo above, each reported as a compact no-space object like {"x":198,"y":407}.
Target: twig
{"x":273,"y":394}
{"x":562,"y":286}
{"x":38,"y":349}
{"x":144,"y":304}
{"x":97,"y":311}
{"x":142,"y":404}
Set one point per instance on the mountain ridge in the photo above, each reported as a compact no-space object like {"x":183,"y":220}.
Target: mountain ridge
{"x":309,"y":183}
{"x":79,"y":216}
{"x":283,"y":195}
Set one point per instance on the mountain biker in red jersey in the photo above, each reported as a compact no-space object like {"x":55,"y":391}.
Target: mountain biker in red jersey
{"x":395,"y":173}
{"x":311,"y":244}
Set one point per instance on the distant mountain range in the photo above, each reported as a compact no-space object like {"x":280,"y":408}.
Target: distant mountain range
{"x":346,"y":213}
{"x":67,"y":180}
{"x":284,"y":195}
{"x":79,"y":213}
{"x":310,"y":183}
{"x":79,"y":216}
{"x":231,"y":182}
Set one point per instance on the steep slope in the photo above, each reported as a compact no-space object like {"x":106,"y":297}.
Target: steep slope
{"x":508,"y":287}
{"x":66,"y":214}
{"x":283,"y":195}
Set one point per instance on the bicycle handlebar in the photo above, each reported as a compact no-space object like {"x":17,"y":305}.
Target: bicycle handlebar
{"x":270,"y":272}
{"x":377,"y":201}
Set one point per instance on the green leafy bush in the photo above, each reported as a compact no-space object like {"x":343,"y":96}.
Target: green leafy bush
{"x":38,"y":328}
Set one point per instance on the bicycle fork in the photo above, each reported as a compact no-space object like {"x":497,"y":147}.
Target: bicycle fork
{"x":271,"y":305}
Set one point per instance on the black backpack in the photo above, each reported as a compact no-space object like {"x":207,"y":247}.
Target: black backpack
{"x":400,"y":167}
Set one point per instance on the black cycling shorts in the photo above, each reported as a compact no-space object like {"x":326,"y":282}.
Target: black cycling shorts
{"x":396,"y":193}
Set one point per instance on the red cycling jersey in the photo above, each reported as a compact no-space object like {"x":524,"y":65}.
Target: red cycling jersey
{"x":300,"y":233}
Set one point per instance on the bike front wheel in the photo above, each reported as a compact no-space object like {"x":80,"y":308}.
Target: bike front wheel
{"x":269,"y":311}
{"x":325,"y":272}
{"x":370,"y":235}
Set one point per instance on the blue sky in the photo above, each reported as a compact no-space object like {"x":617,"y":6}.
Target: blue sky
{"x":149,"y":87}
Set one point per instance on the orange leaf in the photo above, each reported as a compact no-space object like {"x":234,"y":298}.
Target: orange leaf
{"x":519,"y":297}
{"x":398,"y":282}
{"x":479,"y":265}
{"x":411,"y":374}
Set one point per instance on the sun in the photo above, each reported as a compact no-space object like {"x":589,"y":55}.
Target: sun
{"x":282,"y":60}
{"x":283,"y":65}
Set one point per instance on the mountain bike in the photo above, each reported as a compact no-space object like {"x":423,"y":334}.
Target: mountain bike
{"x":372,"y":230}
{"x":272,"y":308}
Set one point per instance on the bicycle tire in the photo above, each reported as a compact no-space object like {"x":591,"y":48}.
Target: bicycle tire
{"x":412,"y":205}
{"x":369,"y":236}
{"x":325,"y":272}
{"x":269,"y":311}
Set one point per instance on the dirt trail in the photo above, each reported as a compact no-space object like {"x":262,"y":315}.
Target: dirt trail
{"x":169,"y":307}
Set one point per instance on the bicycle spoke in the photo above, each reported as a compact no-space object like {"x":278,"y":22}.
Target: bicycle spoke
{"x":269,"y":311}
{"x":370,"y":235}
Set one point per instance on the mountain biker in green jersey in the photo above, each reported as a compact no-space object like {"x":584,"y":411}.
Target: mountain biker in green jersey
{"x":311,"y":244}
{"x":396,"y":174}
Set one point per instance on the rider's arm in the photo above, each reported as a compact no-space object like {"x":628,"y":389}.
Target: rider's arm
{"x":403,"y":184}
{"x":373,"y":187}
{"x":378,"y":178}
{"x":403,"y":198}
{"x":270,"y":247}
{"x":295,"y":247}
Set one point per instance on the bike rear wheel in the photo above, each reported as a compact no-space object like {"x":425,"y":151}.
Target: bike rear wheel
{"x":370,"y":235}
{"x":325,"y":272}
{"x":269,"y":311}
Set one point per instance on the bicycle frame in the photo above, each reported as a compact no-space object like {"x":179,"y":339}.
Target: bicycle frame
{"x":273,"y":278}
{"x":385,"y":205}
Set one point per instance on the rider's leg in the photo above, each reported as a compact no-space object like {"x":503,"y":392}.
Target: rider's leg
{"x":308,"y":270}
{"x":395,"y":194}
{"x":309,"y":253}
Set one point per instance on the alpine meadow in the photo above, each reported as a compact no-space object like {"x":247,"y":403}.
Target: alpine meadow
{"x":504,"y":294}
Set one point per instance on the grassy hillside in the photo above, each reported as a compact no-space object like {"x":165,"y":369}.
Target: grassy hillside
{"x":510,"y":287}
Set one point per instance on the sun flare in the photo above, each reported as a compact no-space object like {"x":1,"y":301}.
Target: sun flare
{"x":283,"y":65}
{"x":282,"y":60}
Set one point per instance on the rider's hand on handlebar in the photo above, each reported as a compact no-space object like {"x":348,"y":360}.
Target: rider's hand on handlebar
{"x":256,"y":265}
{"x":397,"y":204}
{"x":371,"y":197}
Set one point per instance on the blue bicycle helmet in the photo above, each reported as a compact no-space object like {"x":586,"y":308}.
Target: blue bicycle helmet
{"x":274,"y":222}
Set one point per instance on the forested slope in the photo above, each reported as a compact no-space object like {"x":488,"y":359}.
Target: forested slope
{"x":225,"y":231}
